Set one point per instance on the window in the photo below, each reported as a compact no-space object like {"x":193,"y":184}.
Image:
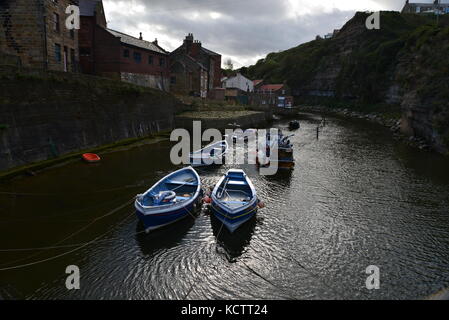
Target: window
{"x":126,"y":53}
{"x":150,"y":59}
{"x":84,"y":51}
{"x":56,"y":22}
{"x":173,"y":80}
{"x":58,"y":56}
{"x":137,"y":57}
{"x":161,"y":62}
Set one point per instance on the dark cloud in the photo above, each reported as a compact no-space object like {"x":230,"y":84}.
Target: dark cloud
{"x":242,"y":29}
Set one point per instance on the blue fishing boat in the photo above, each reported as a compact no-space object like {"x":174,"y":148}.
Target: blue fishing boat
{"x":234,"y":199}
{"x":209,"y":155}
{"x":172,"y":198}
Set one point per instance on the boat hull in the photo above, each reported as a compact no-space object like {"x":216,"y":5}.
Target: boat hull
{"x":233,"y":220}
{"x":156,"y":220}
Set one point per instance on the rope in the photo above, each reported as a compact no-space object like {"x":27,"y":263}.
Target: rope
{"x":59,"y":255}
{"x":77,"y":232}
{"x":67,"y":213}
{"x":29,"y":194}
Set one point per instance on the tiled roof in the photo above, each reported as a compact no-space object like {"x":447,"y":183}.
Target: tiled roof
{"x":209,"y":52}
{"x":271,"y":87}
{"x":130,"y":40}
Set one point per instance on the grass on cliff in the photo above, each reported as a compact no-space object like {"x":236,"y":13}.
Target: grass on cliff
{"x":365,"y":72}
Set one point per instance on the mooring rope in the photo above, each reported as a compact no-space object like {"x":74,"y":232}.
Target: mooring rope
{"x":60,"y":255}
{"x":56,"y":216}
{"x":37,"y":194}
{"x":77,"y":232}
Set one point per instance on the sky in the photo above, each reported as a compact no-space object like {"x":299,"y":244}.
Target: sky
{"x":242,"y":30}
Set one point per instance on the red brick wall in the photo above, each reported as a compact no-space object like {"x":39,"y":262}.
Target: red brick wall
{"x":130,"y":65}
{"x":86,"y":36}
{"x":107,"y":53}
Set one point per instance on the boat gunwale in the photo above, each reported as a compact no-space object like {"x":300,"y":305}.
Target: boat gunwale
{"x":221,"y":204}
{"x":168,"y":207}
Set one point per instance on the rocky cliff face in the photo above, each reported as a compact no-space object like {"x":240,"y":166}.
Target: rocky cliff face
{"x":405,"y":63}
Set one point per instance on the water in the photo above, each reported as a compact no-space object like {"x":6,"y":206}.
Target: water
{"x":356,"y":198}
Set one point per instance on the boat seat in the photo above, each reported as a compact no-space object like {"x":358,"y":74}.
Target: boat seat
{"x":236,"y":182}
{"x":181,"y":182}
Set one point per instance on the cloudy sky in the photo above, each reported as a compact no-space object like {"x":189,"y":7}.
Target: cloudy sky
{"x":243,"y":30}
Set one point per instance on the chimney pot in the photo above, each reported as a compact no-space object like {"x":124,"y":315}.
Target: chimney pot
{"x":141,"y":38}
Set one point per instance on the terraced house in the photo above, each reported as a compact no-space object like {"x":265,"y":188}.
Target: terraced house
{"x":437,"y":7}
{"x":195,"y":70}
{"x":34,"y":32}
{"x":114,"y":54}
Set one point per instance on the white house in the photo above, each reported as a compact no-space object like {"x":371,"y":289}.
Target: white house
{"x":239,"y":82}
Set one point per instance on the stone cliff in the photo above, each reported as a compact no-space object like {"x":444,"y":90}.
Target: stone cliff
{"x":403,"y":65}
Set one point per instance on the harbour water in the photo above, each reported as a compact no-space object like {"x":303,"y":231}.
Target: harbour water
{"x":356,"y":198}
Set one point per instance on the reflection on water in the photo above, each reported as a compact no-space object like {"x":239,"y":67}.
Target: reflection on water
{"x":235,"y":243}
{"x":355,"y":198}
{"x":164,"y":238}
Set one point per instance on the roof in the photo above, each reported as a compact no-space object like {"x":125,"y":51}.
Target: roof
{"x":130,"y":40}
{"x":256,"y":82}
{"x":87,"y":7}
{"x":209,"y":52}
{"x":271,"y":87}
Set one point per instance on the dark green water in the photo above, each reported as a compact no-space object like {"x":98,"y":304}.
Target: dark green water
{"x":356,"y":198}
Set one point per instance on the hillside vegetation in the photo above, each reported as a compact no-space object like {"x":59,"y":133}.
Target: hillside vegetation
{"x":404,"y":64}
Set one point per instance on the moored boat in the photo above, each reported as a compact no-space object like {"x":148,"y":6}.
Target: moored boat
{"x":209,"y":155}
{"x":172,"y":198}
{"x":234,"y":199}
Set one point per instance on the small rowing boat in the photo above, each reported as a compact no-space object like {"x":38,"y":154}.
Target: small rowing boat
{"x":234,"y":199}
{"x":91,"y":157}
{"x":209,"y":155}
{"x":172,"y":198}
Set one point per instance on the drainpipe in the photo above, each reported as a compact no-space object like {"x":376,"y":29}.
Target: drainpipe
{"x":44,"y":20}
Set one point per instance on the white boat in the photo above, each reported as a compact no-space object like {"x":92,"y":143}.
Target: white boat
{"x":209,"y":155}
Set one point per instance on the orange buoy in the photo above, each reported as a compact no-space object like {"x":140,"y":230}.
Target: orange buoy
{"x":207,"y":199}
{"x":91,"y":157}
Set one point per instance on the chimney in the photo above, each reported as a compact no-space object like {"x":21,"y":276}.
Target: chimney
{"x":141,"y":38}
{"x":188,"y":42}
{"x":196,"y":47}
{"x":155,"y":41}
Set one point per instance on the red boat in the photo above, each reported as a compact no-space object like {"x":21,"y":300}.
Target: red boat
{"x":91,"y":157}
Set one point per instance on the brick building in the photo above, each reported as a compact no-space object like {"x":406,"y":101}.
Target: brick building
{"x":35,"y":31}
{"x":278,"y":95}
{"x":194,"y":69}
{"x":114,"y":54}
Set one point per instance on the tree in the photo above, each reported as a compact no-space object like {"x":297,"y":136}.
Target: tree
{"x":228,"y":64}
